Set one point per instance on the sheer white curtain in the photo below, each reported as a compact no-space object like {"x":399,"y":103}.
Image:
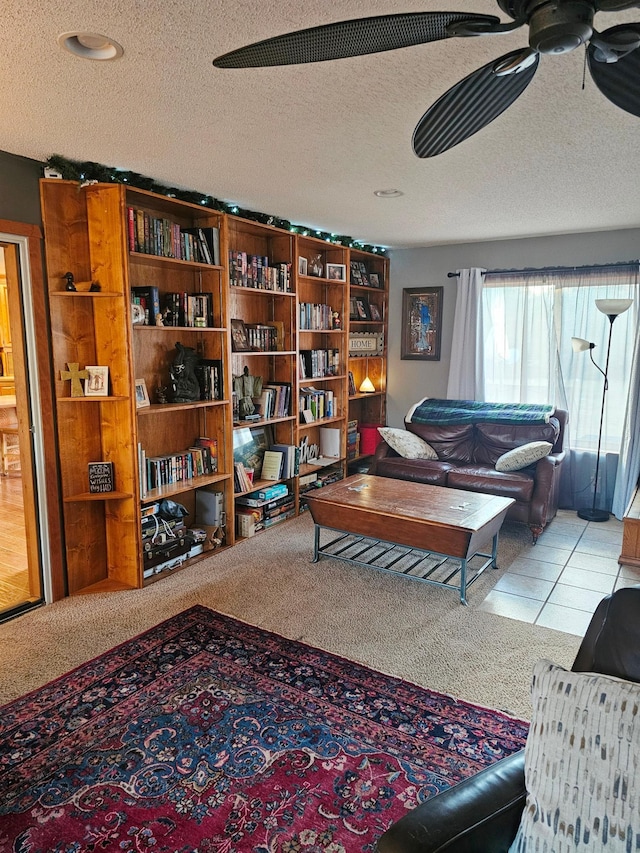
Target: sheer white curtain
{"x":466,"y":375}
{"x":529,"y":321}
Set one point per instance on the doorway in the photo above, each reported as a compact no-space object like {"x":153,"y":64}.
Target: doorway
{"x":23,"y":545}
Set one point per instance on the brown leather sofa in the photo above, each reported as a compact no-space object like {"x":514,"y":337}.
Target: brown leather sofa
{"x":467,"y":454}
{"x":484,"y":811}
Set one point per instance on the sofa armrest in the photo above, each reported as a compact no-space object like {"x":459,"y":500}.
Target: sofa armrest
{"x":546,"y":489}
{"x":382,"y":451}
{"x":480,"y":813}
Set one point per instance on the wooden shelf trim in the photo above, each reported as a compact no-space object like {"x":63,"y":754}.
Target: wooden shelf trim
{"x":91,"y":294}
{"x":96,"y":399}
{"x":144,"y":258}
{"x":320,"y":422}
{"x":262,"y":291}
{"x":138,"y":327}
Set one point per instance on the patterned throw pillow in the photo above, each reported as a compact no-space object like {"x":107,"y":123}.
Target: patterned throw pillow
{"x":582,"y":762}
{"x":521,"y":457}
{"x":407,"y":444}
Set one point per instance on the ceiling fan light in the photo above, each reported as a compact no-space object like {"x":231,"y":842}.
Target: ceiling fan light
{"x":613,"y":307}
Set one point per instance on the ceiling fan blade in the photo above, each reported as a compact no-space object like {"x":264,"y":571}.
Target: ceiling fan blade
{"x":615,"y":5}
{"x":472,"y":104}
{"x":351,"y":38}
{"x":619,"y":81}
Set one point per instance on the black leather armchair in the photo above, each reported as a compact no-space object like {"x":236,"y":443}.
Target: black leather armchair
{"x":483,"y":812}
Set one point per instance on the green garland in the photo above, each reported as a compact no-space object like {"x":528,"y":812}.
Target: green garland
{"x":73,"y":170}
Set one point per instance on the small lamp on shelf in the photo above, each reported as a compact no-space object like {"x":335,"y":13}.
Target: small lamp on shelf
{"x":612,"y":308}
{"x":367,"y":386}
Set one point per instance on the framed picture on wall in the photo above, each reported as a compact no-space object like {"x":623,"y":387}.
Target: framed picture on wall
{"x":421,"y":323}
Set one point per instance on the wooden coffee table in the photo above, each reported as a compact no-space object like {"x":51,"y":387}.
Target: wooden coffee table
{"x":429,"y":533}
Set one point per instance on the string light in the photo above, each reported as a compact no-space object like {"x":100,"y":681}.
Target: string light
{"x":95,"y":172}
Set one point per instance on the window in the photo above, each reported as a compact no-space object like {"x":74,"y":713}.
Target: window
{"x":528,"y":322}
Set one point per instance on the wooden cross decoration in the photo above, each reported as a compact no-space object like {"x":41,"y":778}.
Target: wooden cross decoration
{"x":75,"y":376}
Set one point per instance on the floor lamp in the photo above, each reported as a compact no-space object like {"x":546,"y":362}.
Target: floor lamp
{"x":612,"y":308}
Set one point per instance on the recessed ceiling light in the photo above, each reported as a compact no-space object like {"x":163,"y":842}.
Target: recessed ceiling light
{"x":388,"y":193}
{"x":90,"y":45}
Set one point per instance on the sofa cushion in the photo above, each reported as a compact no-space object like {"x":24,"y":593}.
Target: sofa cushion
{"x":522,"y":457}
{"x":407,"y":444}
{"x":492,"y":440}
{"x":416,"y":470}
{"x":581,"y":764}
{"x":480,"y":478}
{"x":451,"y":443}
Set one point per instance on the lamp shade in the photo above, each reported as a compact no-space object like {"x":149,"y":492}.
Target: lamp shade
{"x":367,"y":386}
{"x":613,"y":307}
{"x":580,"y":345}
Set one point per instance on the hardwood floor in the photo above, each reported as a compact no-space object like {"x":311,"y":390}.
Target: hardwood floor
{"x":14,"y":578}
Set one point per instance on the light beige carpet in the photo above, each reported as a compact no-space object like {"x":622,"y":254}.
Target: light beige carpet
{"x":400,"y":626}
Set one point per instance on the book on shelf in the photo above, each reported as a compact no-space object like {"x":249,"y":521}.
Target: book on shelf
{"x":272,"y":464}
{"x":210,"y":379}
{"x":330,"y":442}
{"x":290,"y":459}
{"x":253,"y":500}
{"x":149,"y":298}
{"x":255,"y":271}
{"x":317,"y":363}
{"x":207,"y":240}
{"x":189,"y":310}
{"x":272,"y":492}
{"x":241,"y":479}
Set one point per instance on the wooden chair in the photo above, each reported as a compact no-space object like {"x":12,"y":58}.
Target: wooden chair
{"x":9,"y":450}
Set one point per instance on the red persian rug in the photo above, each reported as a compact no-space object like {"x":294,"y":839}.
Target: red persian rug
{"x":207,"y":734}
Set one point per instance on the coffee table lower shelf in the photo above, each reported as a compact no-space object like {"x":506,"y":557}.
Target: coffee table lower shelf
{"x":427,"y":566}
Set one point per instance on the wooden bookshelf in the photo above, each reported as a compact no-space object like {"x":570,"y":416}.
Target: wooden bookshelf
{"x":89,"y":232}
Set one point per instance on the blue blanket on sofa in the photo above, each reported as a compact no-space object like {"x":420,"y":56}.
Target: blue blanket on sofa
{"x":434,"y":411}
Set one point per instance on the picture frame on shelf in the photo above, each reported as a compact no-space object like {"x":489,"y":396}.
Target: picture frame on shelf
{"x":97,"y":382}
{"x":316,"y":266}
{"x":142,"y":395}
{"x":374,"y":280}
{"x":249,"y":446}
{"x":302,"y":266}
{"x":356,"y":277}
{"x":336,"y":272}
{"x":362,"y":307}
{"x":353,"y":309}
{"x":239,"y":337}
{"x":421,"y":323}
{"x":375,"y":312}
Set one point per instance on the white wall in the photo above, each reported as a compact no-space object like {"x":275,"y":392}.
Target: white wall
{"x":408,"y":381}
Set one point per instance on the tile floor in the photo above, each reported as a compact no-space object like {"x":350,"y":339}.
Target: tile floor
{"x":559,"y":581}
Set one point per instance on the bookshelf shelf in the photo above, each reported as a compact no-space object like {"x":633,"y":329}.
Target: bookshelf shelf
{"x":154,"y":260}
{"x":86,"y":294}
{"x":164,"y":408}
{"x":183,"y":487}
{"x":139,"y":327}
{"x":103,"y":496}
{"x":89,"y":400}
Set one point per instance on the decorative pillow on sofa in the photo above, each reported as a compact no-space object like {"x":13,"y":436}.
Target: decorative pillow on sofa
{"x":407,"y":444}
{"x":522,"y":457}
{"x":581,"y":764}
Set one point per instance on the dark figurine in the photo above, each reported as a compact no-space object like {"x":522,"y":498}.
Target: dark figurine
{"x":69,"y":278}
{"x":95,"y":287}
{"x":161,"y":394}
{"x":184,"y":387}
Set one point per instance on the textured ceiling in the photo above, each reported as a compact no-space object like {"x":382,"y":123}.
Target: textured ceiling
{"x":311,"y":143}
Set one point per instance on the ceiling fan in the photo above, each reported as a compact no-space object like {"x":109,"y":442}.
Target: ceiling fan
{"x":555,"y":27}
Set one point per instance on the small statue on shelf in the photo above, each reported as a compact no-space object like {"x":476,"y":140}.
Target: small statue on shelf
{"x":161,"y":394}
{"x":336,"y":322}
{"x":246,"y":388}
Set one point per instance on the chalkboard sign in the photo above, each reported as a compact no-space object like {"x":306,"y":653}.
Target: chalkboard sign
{"x":100,"y":477}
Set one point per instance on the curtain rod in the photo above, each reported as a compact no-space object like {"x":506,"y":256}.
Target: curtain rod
{"x":555,"y":269}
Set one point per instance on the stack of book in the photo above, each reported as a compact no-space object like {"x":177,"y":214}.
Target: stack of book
{"x":262,"y":509}
{"x":315,"y":316}
{"x":159,"y":236}
{"x":209,"y":375}
{"x":315,"y":404}
{"x":274,"y":400}
{"x":195,"y":461}
{"x":254,"y":271}
{"x":353,"y":440}
{"x":316,"y":363}
{"x":189,"y":310}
